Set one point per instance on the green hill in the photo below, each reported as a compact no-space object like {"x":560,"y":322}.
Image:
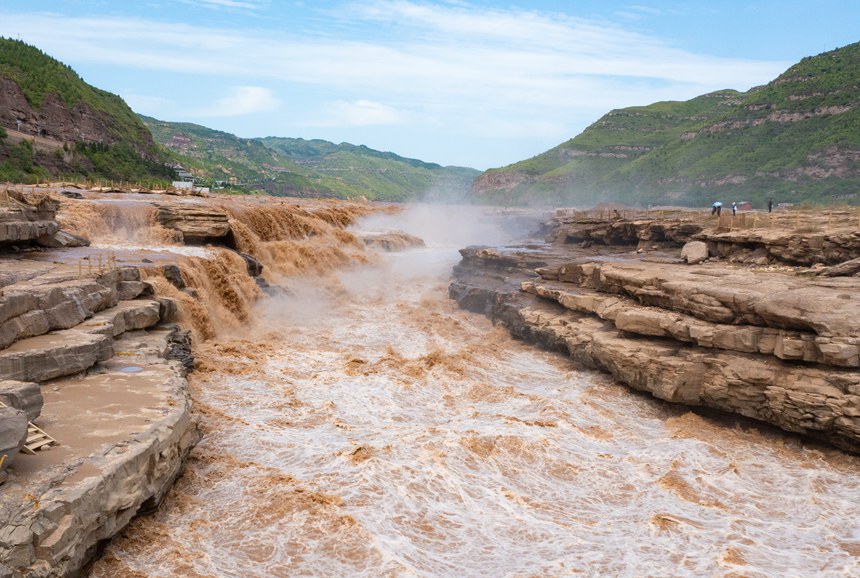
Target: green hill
{"x":55,"y":124}
{"x":309,"y":168}
{"x":796,"y":139}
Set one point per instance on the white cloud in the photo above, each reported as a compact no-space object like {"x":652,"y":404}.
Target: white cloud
{"x":359,"y":113}
{"x":217,"y":4}
{"x":242,"y":100}
{"x":147,"y":104}
{"x":455,"y":66}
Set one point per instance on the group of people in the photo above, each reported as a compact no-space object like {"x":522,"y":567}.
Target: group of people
{"x":717,"y":207}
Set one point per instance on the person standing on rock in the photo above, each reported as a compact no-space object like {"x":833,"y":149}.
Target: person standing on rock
{"x":769,"y":205}
{"x":716,"y":208}
{"x":734,"y":208}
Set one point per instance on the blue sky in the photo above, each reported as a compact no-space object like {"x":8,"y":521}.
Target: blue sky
{"x":475,"y":83}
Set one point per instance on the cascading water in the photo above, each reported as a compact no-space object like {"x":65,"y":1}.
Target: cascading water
{"x":362,"y":425}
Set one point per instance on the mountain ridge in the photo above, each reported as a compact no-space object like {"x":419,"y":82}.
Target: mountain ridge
{"x":795,"y":139}
{"x":308,"y":168}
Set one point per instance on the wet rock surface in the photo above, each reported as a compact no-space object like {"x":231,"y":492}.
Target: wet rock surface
{"x":197,"y":223}
{"x":774,"y":343}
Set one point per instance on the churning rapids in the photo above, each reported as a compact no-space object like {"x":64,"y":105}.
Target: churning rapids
{"x":364,"y":426}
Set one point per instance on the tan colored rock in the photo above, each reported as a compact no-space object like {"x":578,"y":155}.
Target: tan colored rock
{"x":119,"y":462}
{"x":694,"y":252}
{"x":53,"y":355}
{"x":631,"y":317}
{"x":13,"y":434}
{"x":768,"y":344}
{"x":24,"y":396}
{"x":196,"y":222}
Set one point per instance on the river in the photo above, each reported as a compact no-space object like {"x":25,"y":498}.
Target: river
{"x":365,"y":426}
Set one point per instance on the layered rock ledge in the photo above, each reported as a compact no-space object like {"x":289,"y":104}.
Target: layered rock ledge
{"x":92,"y":358}
{"x":747,"y":331}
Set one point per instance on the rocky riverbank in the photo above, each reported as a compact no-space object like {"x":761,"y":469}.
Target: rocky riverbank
{"x":95,"y":347}
{"x":760,"y":321}
{"x":89,"y":354}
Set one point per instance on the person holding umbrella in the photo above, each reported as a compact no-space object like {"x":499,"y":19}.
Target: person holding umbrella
{"x":716,"y":208}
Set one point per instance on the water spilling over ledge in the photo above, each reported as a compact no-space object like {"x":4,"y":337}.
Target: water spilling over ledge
{"x":356,"y":422}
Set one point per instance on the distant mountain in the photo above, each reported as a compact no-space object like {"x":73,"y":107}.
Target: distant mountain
{"x":309,"y":168}
{"x":52,"y":123}
{"x":796,"y":139}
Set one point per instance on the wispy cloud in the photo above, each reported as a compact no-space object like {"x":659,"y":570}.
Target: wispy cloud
{"x":240,"y":101}
{"x":359,"y":113}
{"x":454,"y":64}
{"x":220,"y":4}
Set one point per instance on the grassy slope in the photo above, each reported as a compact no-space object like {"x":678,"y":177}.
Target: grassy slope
{"x":796,"y":139}
{"x":132,"y":153}
{"x":290,"y":166}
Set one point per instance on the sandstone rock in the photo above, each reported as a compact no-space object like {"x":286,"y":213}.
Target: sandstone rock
{"x":93,"y":495}
{"x":63,"y":239}
{"x":694,"y":252}
{"x":392,"y":241}
{"x":711,"y":335}
{"x":197,"y":223}
{"x":23,"y":396}
{"x":53,"y":355}
{"x":125,"y":316}
{"x":846,"y":269}
{"x":13,"y":434}
{"x":785,"y":245}
{"x":26,"y":217}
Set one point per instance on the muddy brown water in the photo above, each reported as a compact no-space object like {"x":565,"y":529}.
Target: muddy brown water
{"x":362,"y":425}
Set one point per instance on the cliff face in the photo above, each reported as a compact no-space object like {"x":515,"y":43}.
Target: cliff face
{"x":53,"y":120}
{"x":795,"y":139}
{"x":57,"y":124}
{"x":747,"y":332}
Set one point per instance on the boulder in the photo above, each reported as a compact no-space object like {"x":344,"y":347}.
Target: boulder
{"x":255,"y":268}
{"x":63,"y":239}
{"x":694,"y":252}
{"x":173,"y":275}
{"x":13,"y":434}
{"x":23,"y":396}
{"x":197,"y":223}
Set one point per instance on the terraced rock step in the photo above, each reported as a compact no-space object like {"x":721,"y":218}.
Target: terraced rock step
{"x":775,"y":343}
{"x":124,"y":431}
{"x":54,"y":355}
{"x":40,"y":299}
{"x":71,"y":351}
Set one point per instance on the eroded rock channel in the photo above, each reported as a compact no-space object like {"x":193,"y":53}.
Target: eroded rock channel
{"x":291,"y":383}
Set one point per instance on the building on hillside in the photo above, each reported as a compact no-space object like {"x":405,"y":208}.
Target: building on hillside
{"x":182,"y":173}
